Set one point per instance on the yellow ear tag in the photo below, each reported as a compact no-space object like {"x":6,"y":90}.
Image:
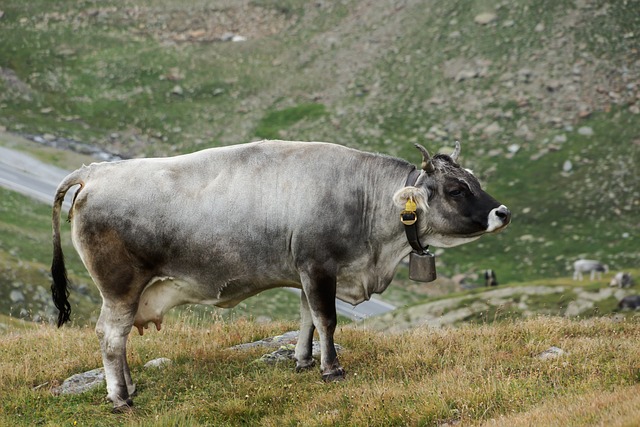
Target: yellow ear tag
{"x":411,"y":205}
{"x":408,"y":215}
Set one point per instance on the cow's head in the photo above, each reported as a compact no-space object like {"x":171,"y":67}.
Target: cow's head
{"x":452,"y":208}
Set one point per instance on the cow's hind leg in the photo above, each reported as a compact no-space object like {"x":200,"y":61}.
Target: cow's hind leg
{"x":113,"y":327}
{"x":320,"y":289}
{"x":304,"y":346}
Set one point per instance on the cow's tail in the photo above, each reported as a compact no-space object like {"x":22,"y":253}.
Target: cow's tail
{"x":59,"y":291}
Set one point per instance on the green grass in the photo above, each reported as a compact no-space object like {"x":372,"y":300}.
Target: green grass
{"x":274,"y":123}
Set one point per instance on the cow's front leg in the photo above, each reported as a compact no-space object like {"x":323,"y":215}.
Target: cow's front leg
{"x":113,"y":328}
{"x":304,"y":346}
{"x":320,"y":288}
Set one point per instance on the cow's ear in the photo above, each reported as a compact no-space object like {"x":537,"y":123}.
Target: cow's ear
{"x":419,"y":195}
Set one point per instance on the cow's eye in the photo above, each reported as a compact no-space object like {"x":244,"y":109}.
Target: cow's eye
{"x":455,"y":193}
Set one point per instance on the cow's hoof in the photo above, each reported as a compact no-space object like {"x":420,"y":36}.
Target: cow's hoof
{"x":337,"y":374}
{"x":123,"y":408}
{"x":305,"y":365}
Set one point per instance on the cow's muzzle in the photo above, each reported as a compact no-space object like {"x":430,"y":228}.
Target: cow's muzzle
{"x":499,"y":218}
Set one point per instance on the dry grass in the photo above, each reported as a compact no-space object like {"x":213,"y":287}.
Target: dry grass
{"x":473,"y":375}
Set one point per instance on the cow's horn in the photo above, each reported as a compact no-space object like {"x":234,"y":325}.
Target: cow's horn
{"x":427,"y":164}
{"x":456,"y":152}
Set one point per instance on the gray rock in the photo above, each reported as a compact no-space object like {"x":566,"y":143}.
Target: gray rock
{"x":290,"y":337}
{"x":567,"y":166}
{"x":585,"y":131}
{"x":16,"y":296}
{"x":286,"y":353}
{"x":286,"y":347}
{"x":560,"y":138}
{"x":485,"y":18}
{"x":551,"y":353}
{"x":159,"y":363}
{"x":513,"y":148}
{"x":80,"y":383}
{"x":577,"y":307}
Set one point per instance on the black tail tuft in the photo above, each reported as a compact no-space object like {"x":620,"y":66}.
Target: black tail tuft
{"x":59,"y":291}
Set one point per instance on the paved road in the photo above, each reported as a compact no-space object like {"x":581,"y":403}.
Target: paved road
{"x":24,"y":174}
{"x":27,"y":175}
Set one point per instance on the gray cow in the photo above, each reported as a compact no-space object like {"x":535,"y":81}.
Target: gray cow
{"x":588,"y":266}
{"x":223,"y":224}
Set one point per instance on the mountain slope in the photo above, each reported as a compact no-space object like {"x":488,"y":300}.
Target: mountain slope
{"x":543,"y":95}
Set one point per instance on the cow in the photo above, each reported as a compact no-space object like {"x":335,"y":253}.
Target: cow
{"x":621,"y":280}
{"x":490,"y":278}
{"x":220,"y":225}
{"x":630,"y":302}
{"x":596,"y":268}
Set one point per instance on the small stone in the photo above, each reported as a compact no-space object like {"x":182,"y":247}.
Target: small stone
{"x":585,"y":131}
{"x":485,"y":18}
{"x":177,"y":90}
{"x":513,"y":148}
{"x":551,"y":353}
{"x":227,"y":37}
{"x":539,"y":28}
{"x":16,"y":296}
{"x":559,"y":139}
{"x":161,"y":362}
{"x":567,"y":166}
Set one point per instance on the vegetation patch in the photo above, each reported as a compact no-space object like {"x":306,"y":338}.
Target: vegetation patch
{"x":274,"y":123}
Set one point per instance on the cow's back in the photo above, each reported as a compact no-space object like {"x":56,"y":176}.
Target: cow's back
{"x":250,"y":212}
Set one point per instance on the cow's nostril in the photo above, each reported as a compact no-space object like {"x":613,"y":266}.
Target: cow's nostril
{"x":503,"y":213}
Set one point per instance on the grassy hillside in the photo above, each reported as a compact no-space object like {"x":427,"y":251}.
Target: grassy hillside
{"x":526,"y":85}
{"x":477,"y":375}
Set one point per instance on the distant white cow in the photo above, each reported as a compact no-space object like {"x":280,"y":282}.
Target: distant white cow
{"x":621,"y":280}
{"x":588,"y":266}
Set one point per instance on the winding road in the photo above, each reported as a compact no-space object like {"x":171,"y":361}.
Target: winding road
{"x":24,"y":174}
